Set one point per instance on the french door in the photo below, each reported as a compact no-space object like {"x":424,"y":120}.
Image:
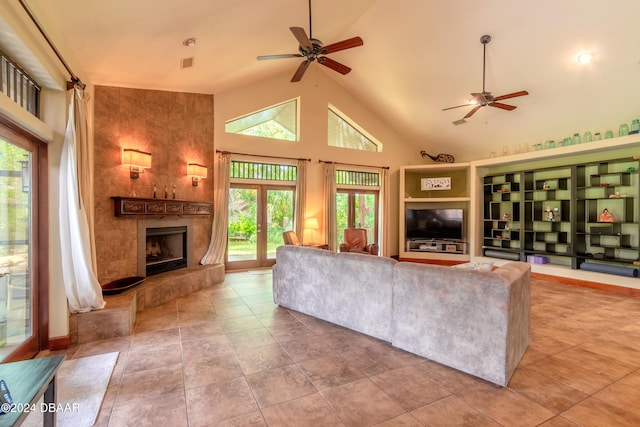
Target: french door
{"x":357,"y":209}
{"x":22,"y":245}
{"x":258,"y":215}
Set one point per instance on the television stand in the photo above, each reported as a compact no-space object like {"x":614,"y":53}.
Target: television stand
{"x":436,"y":245}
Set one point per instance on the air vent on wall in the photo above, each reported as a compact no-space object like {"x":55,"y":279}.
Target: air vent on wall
{"x":187,"y":62}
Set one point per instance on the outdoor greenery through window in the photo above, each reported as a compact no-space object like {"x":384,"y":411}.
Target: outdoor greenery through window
{"x":343,"y":132}
{"x":18,"y":86}
{"x":263,"y":171}
{"x":261,"y":197}
{"x":277,"y":122}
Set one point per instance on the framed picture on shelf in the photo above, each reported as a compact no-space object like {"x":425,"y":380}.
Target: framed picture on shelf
{"x":428,"y":184}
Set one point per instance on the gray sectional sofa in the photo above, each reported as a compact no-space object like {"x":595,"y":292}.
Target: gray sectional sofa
{"x":473,"y":321}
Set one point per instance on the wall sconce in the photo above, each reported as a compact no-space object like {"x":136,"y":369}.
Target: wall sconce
{"x":136,"y":160}
{"x":311,"y":224}
{"x":196,"y":172}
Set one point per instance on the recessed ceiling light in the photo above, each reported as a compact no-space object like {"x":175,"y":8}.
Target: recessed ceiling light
{"x":191,"y":41}
{"x":585,"y":57}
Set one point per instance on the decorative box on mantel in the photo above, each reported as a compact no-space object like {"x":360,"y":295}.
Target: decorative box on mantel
{"x":124,"y":206}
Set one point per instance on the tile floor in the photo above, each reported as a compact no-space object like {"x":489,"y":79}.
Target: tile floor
{"x":227,"y":356}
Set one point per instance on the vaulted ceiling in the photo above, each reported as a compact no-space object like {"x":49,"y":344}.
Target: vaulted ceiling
{"x":418,"y":57}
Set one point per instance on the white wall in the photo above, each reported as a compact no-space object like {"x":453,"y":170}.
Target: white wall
{"x":316,"y":91}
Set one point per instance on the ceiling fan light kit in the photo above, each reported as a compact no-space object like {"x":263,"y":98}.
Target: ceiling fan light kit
{"x":484,"y":98}
{"x":313,"y":50}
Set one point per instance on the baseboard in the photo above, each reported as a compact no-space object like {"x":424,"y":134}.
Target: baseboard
{"x":59,"y":343}
{"x":586,"y":284}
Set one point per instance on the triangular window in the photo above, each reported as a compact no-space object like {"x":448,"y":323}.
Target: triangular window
{"x":345,"y":133}
{"x":277,"y":122}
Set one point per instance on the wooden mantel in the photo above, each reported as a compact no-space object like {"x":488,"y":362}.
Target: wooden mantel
{"x":125,"y":206}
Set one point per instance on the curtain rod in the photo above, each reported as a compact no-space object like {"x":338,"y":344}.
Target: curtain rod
{"x":260,"y":155}
{"x":352,"y":164}
{"x":75,"y":80}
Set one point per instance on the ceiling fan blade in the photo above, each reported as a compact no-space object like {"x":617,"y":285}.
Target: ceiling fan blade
{"x":344,"y":44}
{"x":472,"y":112}
{"x":457,"y":106}
{"x":511,"y":95}
{"x":300,"y":71}
{"x":334,"y":65}
{"x":302,"y":37}
{"x":284,"y":55}
{"x":503,"y":106}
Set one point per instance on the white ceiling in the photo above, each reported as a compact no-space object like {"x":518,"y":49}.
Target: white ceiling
{"x":419,"y":56}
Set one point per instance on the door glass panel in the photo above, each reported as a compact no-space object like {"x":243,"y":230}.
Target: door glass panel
{"x":279,"y":212}
{"x":365,"y":214}
{"x":16,"y":263}
{"x":342,"y":215}
{"x":242,"y":244}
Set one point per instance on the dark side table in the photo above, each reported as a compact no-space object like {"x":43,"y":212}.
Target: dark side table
{"x":27,"y":380}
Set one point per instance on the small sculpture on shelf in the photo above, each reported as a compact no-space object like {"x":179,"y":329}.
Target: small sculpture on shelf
{"x":545,"y":186}
{"x":505,"y":216}
{"x":550,"y":213}
{"x":440,"y":158}
{"x":606,"y":216}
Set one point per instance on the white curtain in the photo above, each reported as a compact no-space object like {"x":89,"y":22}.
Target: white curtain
{"x":301,"y":197}
{"x":218,"y":242}
{"x":330,"y":204}
{"x":76,"y":221}
{"x":385,"y":201}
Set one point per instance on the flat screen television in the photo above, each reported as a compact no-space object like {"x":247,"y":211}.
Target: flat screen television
{"x":442,"y":224}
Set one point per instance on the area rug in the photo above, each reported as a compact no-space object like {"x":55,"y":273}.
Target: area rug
{"x":81,"y":386}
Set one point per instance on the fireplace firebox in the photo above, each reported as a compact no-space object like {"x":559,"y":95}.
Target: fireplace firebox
{"x":165,"y":249}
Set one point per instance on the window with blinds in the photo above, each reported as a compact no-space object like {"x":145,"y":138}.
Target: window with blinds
{"x":263,"y":171}
{"x":19,"y":86}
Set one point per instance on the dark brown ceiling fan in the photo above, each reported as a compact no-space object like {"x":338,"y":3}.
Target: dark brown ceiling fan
{"x":313,"y":49}
{"x":485,"y":98}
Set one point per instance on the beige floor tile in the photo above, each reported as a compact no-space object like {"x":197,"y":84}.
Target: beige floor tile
{"x":157,"y":357}
{"x":239,"y":324}
{"x":255,"y":359}
{"x":593,"y":412}
{"x":330,"y":371}
{"x":252,"y":419}
{"x":450,"y":412}
{"x":151,"y":412}
{"x":145,"y":341}
{"x":410,"y":386}
{"x":202,"y":330}
{"x":571,"y":374}
{"x":610,"y":368}
{"x":362,"y":403}
{"x":307,"y":348}
{"x":214,"y":403}
{"x":310,"y":410}
{"x":154,"y":383}
{"x":548,"y":393}
{"x":122,"y":344}
{"x":621,"y":396}
{"x":278,"y":385}
{"x":212,"y":345}
{"x":506,"y":406}
{"x":252,"y":338}
{"x":404,"y":420}
{"x":210,"y":370}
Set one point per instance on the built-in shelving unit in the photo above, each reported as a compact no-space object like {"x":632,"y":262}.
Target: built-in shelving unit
{"x":581,"y":216}
{"x":457,"y":196}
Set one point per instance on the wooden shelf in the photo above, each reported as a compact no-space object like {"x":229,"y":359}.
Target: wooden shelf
{"x":129,"y":206}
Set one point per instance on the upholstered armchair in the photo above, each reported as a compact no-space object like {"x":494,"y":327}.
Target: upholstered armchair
{"x":290,"y":238}
{"x":355,"y":240}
